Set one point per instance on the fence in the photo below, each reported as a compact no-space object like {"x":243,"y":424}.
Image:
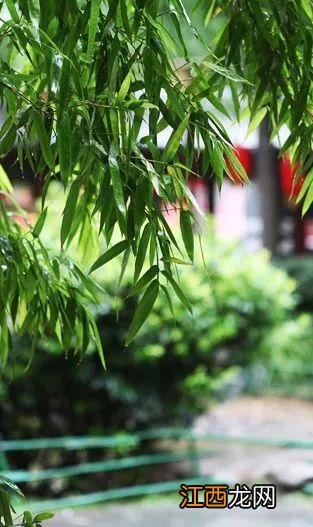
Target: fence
{"x":190,"y":453}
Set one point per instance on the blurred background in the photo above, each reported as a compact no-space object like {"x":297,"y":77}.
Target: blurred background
{"x":224,"y":394}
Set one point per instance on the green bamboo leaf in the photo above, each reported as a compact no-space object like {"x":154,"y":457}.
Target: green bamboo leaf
{"x":7,"y":141}
{"x":8,"y":486}
{"x":65,"y":82}
{"x":44,"y":140}
{"x":42,"y":516}
{"x":256,"y":120}
{"x":209,"y":14}
{"x":308,"y":200}
{"x":117,"y":184}
{"x":305,"y":185}
{"x":168,"y":299}
{"x":142,"y":250}
{"x":111,"y":253}
{"x":174,"y":140}
{"x":152,"y":248}
{"x":5,"y":183}
{"x":178,"y":290}
{"x":307,"y":6}
{"x":98,"y":342}
{"x":143,"y":310}
{"x":144,"y":280}
{"x":187,"y":233}
{"x":225,"y":72}
{"x":190,"y":195}
{"x":12,"y":10}
{"x":69,"y":210}
{"x":93,"y":25}
{"x":177,"y":26}
{"x":124,"y":266}
{"x":123,"y":91}
{"x":64,"y":144}
{"x":5,"y":509}
{"x":40,"y":223}
{"x":28,"y":519}
{"x":178,"y":261}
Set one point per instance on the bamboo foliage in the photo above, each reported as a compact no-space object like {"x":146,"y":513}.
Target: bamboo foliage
{"x":80,"y":81}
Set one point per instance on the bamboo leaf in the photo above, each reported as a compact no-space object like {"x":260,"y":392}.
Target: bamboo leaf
{"x":142,"y":250}
{"x":40,"y":223}
{"x":111,"y":253}
{"x":256,"y":120}
{"x":12,"y":10}
{"x":187,"y":233}
{"x":93,"y":25}
{"x":308,"y":199}
{"x":44,"y":140}
{"x":174,"y":140}
{"x":123,"y":91}
{"x":5,"y":183}
{"x":42,"y":516}
{"x":98,"y":342}
{"x":144,"y":280}
{"x":178,"y":290}
{"x":69,"y":210}
{"x":117,"y":184}
{"x":143,"y":310}
{"x":64,"y":143}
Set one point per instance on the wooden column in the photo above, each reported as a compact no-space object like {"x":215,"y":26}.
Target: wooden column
{"x":270,"y":193}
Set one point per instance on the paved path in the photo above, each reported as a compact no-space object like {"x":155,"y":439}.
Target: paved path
{"x":292,"y":511}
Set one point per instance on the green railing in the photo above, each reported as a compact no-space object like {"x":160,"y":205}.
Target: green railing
{"x":190,"y":452}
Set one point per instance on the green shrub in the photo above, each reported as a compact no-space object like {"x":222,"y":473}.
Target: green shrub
{"x":242,"y":308}
{"x":300,"y":268}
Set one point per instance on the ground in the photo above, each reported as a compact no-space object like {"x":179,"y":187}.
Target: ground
{"x":269,"y":417}
{"x":291,"y":511}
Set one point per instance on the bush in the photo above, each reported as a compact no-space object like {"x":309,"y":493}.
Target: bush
{"x":176,"y":365}
{"x":300,"y":268}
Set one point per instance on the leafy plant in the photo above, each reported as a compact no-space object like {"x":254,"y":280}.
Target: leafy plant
{"x":8,"y":490}
{"x":87,"y":85}
{"x":300,"y":268}
{"x":29,"y":277}
{"x":179,"y":363}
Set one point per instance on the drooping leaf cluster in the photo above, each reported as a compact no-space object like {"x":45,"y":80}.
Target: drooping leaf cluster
{"x":270,"y":44}
{"x":42,"y":296}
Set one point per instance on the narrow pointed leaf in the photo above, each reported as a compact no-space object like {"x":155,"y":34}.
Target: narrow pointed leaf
{"x":111,"y":253}
{"x":174,"y":140}
{"x":64,"y":142}
{"x":178,"y":290}
{"x":143,"y":310}
{"x":144,"y":280}
{"x":142,"y":250}
{"x":69,"y":210}
{"x":187,"y":233}
{"x":44,"y":140}
{"x":40,"y":223}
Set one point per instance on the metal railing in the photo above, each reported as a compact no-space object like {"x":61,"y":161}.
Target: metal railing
{"x":190,"y":453}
